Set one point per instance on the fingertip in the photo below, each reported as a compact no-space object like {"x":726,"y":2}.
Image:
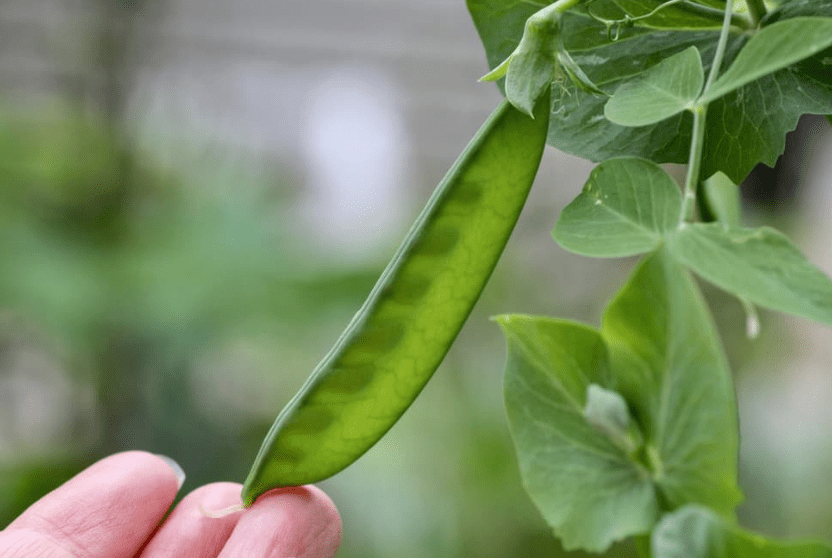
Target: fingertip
{"x":307,"y":499}
{"x":114,"y":481}
{"x":190,"y":532}
{"x":159,"y":469}
{"x":315,"y":502}
{"x":176,"y":468}
{"x":108,"y":509}
{"x":296,"y":521}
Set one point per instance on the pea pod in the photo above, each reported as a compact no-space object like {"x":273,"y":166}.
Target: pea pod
{"x":400,"y":335}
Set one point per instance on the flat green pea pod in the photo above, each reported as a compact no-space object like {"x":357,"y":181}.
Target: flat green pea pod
{"x":400,"y":335}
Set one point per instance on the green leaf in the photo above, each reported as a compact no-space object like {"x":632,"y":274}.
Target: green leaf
{"x":696,"y":532}
{"x":498,"y":72}
{"x":611,"y":428}
{"x":578,"y":124}
{"x":796,"y":8}
{"x":626,"y":207}
{"x":669,"y":365}
{"x":500,"y":24}
{"x":773,"y":48}
{"x":719,"y":4}
{"x":749,"y":126}
{"x":585,"y":486}
{"x":664,"y":90}
{"x":761,"y":265}
{"x":745,"y":127}
{"x":722,"y":198}
{"x":576,"y":75}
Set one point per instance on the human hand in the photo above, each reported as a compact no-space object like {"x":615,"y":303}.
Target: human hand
{"x":114,"y":509}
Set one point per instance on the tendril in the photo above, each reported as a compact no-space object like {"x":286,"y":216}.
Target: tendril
{"x":625,"y":22}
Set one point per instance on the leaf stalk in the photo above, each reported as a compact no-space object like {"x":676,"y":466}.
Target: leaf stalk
{"x":697,"y":143}
{"x":700,"y":112}
{"x":720,"y":47}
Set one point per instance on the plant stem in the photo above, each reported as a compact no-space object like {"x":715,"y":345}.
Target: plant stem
{"x":756,"y":9}
{"x":697,"y":143}
{"x":556,"y":8}
{"x":566,"y":4}
{"x":720,"y":47}
{"x":700,"y":112}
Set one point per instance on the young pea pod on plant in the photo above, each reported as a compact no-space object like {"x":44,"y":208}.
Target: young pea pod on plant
{"x":400,"y":335}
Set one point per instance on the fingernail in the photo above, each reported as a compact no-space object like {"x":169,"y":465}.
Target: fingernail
{"x":221,"y":513}
{"x":180,"y":474}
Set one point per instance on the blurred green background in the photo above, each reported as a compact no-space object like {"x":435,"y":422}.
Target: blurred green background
{"x":196,"y":196}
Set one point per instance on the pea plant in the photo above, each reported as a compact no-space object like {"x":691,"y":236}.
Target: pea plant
{"x":628,"y":430}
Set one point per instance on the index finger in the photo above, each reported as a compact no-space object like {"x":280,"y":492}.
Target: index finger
{"x":106,"y":511}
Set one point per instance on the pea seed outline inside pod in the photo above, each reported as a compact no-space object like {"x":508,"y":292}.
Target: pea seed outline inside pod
{"x":398,"y":338}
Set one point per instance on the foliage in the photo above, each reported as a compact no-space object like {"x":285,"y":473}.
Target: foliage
{"x":656,"y":349}
{"x":662,"y":457}
{"x":629,"y":431}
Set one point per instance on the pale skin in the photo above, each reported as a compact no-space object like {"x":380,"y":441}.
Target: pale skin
{"x":116,"y":509}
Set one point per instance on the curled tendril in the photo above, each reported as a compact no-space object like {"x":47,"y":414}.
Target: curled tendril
{"x":608,"y":23}
{"x":625,"y":22}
